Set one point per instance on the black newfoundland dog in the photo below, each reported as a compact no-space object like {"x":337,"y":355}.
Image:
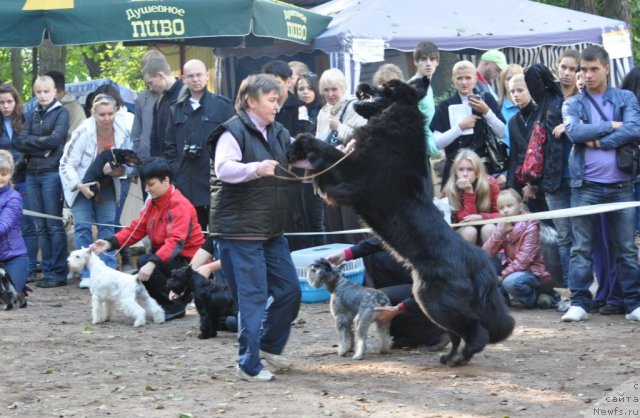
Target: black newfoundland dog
{"x":385,"y":179}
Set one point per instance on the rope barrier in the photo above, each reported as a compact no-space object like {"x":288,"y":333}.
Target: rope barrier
{"x":551,"y":214}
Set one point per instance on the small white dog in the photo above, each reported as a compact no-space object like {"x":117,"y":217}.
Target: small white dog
{"x":109,"y":287}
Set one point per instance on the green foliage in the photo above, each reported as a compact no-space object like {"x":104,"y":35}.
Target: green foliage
{"x":115,"y":61}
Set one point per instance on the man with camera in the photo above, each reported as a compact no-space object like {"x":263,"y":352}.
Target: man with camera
{"x":196,"y":114}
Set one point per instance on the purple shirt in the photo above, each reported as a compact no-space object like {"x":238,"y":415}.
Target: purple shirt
{"x":600,"y":165}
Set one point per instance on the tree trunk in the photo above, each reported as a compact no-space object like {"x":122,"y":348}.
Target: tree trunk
{"x":16,"y":68}
{"x":617,"y":9}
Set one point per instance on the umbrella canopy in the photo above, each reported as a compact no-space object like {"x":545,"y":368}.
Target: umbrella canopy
{"x":205,"y":22}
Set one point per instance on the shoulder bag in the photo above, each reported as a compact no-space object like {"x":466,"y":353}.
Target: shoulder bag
{"x":332,"y":137}
{"x":497,"y":153}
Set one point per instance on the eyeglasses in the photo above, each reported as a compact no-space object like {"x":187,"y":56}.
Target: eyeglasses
{"x":198,"y":76}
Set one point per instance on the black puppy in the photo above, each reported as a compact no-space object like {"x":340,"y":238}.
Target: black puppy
{"x":9,"y":295}
{"x":116,"y":157}
{"x":213,"y":298}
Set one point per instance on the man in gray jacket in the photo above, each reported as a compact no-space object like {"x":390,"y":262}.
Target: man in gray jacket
{"x":599,"y":121}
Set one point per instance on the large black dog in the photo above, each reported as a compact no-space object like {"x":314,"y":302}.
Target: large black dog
{"x":385,"y":179}
{"x":9,"y":295}
{"x":213,"y":299}
{"x":116,"y":157}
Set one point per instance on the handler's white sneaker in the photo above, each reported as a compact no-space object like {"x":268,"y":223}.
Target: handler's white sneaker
{"x":575,"y":314}
{"x":275,"y":360}
{"x":264,"y":375}
{"x":633,"y":316}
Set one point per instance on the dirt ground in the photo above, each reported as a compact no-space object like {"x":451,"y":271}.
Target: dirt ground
{"x":56,"y":364}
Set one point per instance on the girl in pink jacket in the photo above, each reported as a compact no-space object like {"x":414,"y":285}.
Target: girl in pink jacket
{"x":524,"y":274}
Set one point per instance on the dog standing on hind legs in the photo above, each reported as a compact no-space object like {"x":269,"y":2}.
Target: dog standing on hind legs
{"x":353,"y":307}
{"x":386,"y":181}
{"x":110,"y":287}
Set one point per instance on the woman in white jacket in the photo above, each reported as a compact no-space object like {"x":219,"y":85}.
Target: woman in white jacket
{"x":100,"y":132}
{"x":338,"y":118}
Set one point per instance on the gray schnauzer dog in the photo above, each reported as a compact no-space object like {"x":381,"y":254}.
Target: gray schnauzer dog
{"x":9,"y":295}
{"x":353,"y":307}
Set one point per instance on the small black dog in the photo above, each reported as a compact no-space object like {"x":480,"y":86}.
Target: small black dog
{"x":9,"y":295}
{"x":213,"y":298}
{"x":116,"y":157}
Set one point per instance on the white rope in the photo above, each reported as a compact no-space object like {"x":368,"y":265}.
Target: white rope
{"x":551,"y":214}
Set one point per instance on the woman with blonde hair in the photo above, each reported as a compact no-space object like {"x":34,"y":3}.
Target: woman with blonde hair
{"x":507,"y":107}
{"x":385,"y":73}
{"x":98,"y":133}
{"x":476,"y":116}
{"x":472,"y":193}
{"x":336,"y":121}
{"x":42,"y":140}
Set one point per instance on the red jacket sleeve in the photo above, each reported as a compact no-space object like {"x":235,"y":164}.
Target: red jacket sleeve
{"x":468,"y":207}
{"x":133,"y":233}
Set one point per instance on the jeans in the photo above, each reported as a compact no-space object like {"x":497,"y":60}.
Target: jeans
{"x":622,"y":241}
{"x":88,"y":211}
{"x":28,"y":229}
{"x":125,"y":185}
{"x":561,"y":199}
{"x":44,"y":195}
{"x":17,"y":269}
{"x":256,"y":270}
{"x":522,"y":286}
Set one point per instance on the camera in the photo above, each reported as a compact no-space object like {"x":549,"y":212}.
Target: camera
{"x":192,"y":151}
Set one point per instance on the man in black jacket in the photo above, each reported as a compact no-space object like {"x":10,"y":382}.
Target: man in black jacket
{"x":193,"y":118}
{"x":157,"y":75}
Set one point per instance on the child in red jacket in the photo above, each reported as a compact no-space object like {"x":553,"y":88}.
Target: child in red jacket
{"x":525,"y":274}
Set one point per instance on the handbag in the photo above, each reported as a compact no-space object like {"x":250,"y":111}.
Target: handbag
{"x":496,"y":152}
{"x":532,"y":167}
{"x":332,"y":137}
{"x":627,"y":155}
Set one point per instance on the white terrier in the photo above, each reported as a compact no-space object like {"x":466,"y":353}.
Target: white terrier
{"x":109,"y":286}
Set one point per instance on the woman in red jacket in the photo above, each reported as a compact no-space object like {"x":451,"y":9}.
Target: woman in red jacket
{"x":472,"y":193}
{"x":171,"y":223}
{"x":524,"y":276}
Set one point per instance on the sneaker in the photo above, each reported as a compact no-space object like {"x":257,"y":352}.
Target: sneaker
{"x":264,"y":375}
{"x":32,"y":278}
{"x":633,"y":316}
{"x":84,"y":283}
{"x":170,"y":316}
{"x":50,"y":283}
{"x":275,"y":360}
{"x":611,"y":310}
{"x":576,"y":313}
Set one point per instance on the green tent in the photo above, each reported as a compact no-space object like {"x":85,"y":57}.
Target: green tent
{"x":24,"y":23}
